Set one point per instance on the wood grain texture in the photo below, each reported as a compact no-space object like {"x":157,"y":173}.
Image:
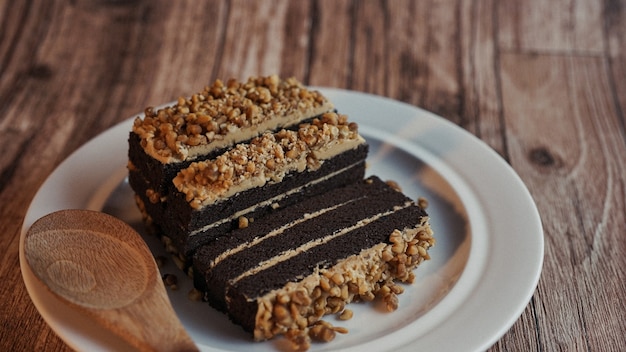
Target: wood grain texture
{"x":583,"y":217}
{"x":541,"y":82}
{"x":555,"y":26}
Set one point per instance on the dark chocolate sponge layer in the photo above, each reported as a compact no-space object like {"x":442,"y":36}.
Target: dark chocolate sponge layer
{"x":356,"y":202}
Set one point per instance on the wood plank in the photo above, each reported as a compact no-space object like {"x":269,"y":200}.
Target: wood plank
{"x":255,"y":39}
{"x":553,"y":26}
{"x":614,"y":25}
{"x":192,"y":53}
{"x":444,"y":62}
{"x":579,"y":189}
{"x":480,"y":81}
{"x":615,"y":53}
{"x":296,"y":52}
{"x":405,"y":49}
{"x":382,"y":41}
{"x":331,"y":40}
{"x":388,"y":40}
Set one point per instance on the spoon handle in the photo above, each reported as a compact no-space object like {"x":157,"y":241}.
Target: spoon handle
{"x":150,"y":324}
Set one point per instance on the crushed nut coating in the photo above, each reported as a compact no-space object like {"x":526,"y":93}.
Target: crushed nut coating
{"x":172,"y":133}
{"x":297,"y":309}
{"x":268,"y":157}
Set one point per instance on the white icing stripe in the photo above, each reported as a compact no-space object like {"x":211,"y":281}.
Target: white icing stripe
{"x":271,"y":200}
{"x":288,"y":254}
{"x":278,"y":231}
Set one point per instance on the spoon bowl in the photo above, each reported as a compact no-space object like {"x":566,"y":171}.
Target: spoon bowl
{"x":101,"y":266}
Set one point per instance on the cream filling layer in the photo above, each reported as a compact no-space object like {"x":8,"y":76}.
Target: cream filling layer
{"x":288,"y":254}
{"x":271,"y":200}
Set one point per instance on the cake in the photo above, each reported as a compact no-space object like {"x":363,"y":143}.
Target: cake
{"x":257,"y":188}
{"x":222,"y":119}
{"x":212,"y":197}
{"x":204,"y":125}
{"x":282,"y":275}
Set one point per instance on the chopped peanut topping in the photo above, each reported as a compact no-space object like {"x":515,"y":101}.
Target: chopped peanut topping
{"x":297,"y":310}
{"x":220,"y":110}
{"x":266,"y":158}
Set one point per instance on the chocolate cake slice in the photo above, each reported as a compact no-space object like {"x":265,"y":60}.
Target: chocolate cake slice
{"x":282,"y":275}
{"x":203,"y":126}
{"x":258,"y":188}
{"x":212,"y":197}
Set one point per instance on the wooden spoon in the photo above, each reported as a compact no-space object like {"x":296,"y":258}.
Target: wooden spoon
{"x":101,"y":266}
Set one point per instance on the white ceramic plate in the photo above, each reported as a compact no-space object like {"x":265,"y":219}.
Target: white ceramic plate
{"x":484,"y":268}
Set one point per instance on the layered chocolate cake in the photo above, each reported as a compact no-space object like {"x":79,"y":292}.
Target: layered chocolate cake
{"x":258,"y":189}
{"x":207,"y":124}
{"x":310,"y":259}
{"x":275,"y":170}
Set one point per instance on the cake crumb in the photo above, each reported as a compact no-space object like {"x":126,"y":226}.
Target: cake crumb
{"x":194,"y":295}
{"x":179,"y":260}
{"x":346,"y":314}
{"x":395,"y":185}
{"x":170,"y":281}
{"x":243,"y":222}
{"x":422,"y":202}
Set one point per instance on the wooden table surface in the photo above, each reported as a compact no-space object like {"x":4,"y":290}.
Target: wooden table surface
{"x":541,"y":82}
